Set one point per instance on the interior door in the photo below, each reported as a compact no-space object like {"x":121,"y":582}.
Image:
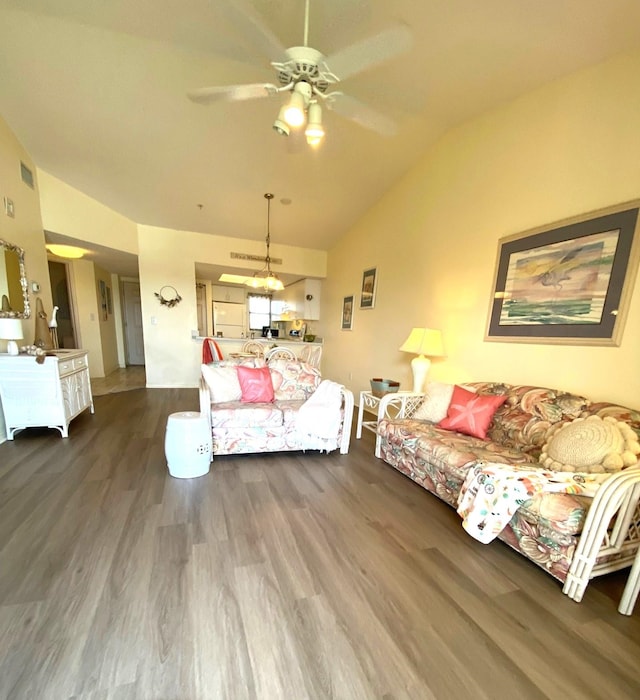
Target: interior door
{"x":134,"y":339}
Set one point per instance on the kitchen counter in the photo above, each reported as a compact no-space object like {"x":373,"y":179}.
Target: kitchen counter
{"x":268,"y":342}
{"x":234,"y":345}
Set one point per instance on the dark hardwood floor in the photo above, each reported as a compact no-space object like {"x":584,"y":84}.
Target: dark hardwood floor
{"x":286,"y":576}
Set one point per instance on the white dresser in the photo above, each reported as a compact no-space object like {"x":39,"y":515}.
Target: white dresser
{"x":50,"y":394}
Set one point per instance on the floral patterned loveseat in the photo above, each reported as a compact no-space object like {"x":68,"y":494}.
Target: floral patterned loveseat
{"x":240,"y":427}
{"x":547,"y":529}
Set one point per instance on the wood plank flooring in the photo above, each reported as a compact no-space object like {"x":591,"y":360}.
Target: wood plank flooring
{"x":121,"y":379}
{"x":293,"y":576}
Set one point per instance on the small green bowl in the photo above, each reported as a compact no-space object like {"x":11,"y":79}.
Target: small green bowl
{"x":380,"y":387}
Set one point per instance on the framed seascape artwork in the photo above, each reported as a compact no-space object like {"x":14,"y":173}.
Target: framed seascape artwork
{"x":347,"y":313}
{"x":368,"y":291}
{"x":569,"y":282}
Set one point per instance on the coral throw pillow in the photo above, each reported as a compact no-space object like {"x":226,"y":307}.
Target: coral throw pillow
{"x":471,"y":413}
{"x":255,"y":384}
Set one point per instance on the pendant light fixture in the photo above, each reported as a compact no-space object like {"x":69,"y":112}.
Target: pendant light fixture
{"x":266,"y":278}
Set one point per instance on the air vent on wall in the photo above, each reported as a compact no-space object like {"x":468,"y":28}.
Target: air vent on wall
{"x":27,"y":175}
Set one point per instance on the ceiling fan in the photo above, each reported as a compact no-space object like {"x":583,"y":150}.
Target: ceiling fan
{"x":308,"y":75}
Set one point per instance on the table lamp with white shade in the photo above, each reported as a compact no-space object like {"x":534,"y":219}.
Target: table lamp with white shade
{"x":11,"y":330}
{"x":424,"y":343}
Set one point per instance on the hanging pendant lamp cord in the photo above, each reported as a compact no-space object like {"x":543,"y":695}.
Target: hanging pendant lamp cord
{"x":268,"y":197}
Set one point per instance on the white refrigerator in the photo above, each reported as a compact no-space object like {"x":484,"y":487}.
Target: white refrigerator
{"x":229,"y":319}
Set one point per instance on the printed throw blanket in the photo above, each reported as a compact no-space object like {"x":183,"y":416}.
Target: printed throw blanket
{"x":492,"y":493}
{"x":319,"y":418}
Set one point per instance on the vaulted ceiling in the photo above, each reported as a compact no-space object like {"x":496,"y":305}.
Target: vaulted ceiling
{"x":96,"y":92}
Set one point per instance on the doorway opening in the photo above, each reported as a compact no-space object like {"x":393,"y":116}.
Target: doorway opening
{"x":132,"y":316}
{"x":61,"y":295}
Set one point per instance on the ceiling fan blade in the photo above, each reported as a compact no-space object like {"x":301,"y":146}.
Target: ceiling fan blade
{"x":252,"y":28}
{"x":370,"y":52}
{"x":362,"y":114}
{"x":231,"y":93}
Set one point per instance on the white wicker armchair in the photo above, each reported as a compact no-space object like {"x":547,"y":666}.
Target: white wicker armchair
{"x":279,"y":353}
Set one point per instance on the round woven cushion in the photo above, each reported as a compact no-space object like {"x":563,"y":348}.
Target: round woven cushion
{"x":589,"y":445}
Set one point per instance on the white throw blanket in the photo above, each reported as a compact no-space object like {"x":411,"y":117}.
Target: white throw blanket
{"x":493,"y":492}
{"x":319,"y":418}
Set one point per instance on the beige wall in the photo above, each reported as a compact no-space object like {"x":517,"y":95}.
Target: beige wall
{"x":82,"y":275}
{"x":25,"y":229}
{"x":568,"y":148}
{"x":168,"y":257}
{"x":69,"y":212}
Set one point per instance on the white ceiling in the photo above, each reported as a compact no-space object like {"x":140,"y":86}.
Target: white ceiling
{"x":96,"y":92}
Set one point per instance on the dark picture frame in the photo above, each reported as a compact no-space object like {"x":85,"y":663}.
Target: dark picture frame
{"x":569,"y":282}
{"x":347,"y":313}
{"x":368,"y":289}
{"x":103,"y":300}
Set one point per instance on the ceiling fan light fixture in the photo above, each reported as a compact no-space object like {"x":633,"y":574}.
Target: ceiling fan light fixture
{"x":314,"y":131}
{"x":294,"y":113}
{"x":280,"y":126}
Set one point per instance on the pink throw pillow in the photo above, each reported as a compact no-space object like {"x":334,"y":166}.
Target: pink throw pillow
{"x":471,"y":413}
{"x":255,"y":384}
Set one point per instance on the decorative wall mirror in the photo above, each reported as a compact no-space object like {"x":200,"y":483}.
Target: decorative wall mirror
{"x":14,"y":297}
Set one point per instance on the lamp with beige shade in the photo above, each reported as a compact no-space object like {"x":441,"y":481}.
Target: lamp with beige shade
{"x":424,"y":343}
{"x":11,"y":330}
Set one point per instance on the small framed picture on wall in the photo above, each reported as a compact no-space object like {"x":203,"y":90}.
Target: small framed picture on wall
{"x":347,"y":313}
{"x":368,"y":291}
{"x":103,"y":300}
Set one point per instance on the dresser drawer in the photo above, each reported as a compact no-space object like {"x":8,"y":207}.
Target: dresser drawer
{"x":80,"y":362}
{"x":71,"y":364}
{"x":65,"y":367}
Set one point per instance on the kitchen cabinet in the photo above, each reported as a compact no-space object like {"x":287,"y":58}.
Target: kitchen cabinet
{"x":235,"y":295}
{"x":302,"y":300}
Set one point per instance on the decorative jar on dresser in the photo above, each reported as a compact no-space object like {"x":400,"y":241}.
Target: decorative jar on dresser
{"x":49,"y":395}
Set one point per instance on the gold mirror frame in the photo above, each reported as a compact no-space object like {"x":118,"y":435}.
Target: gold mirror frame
{"x":26,"y":312}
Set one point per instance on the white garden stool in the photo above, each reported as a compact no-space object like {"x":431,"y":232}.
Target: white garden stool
{"x":187,"y":445}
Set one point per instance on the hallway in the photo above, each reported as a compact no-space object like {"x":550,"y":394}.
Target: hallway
{"x":123,"y":379}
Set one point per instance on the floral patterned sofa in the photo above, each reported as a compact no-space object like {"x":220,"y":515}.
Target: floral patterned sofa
{"x":549,"y":529}
{"x":243,"y":424}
